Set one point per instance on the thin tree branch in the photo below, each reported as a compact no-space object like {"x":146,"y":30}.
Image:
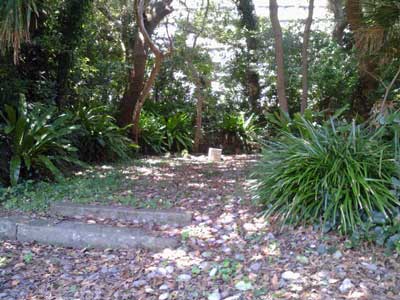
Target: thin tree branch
{"x":203,"y":24}
{"x":304,"y":57}
{"x":388,"y":89}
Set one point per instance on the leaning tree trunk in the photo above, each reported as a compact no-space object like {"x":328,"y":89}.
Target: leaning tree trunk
{"x":159,"y":57}
{"x":135,"y":84}
{"x":279,"y":56}
{"x":304,"y":57}
{"x":136,"y":77}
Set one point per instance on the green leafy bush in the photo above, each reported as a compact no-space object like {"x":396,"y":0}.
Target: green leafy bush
{"x":240,"y":127}
{"x":152,"y":132}
{"x":337,"y":174}
{"x":38,"y":140}
{"x":179,"y":132}
{"x":378,"y":230}
{"x":98,"y":137}
{"x":161,"y":134}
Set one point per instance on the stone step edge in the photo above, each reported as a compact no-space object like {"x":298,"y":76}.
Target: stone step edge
{"x":80,"y":235}
{"x":162,"y":217}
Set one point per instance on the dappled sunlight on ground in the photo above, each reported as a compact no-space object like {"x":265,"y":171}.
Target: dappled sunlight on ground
{"x":229,"y":250}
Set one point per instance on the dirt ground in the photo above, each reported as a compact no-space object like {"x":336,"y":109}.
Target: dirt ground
{"x":228,"y":252}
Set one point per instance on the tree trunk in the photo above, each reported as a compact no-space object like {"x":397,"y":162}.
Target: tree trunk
{"x":145,"y":39}
{"x":135,"y":84}
{"x":201,"y":84}
{"x":143,"y":95}
{"x":304,"y":57}
{"x":199,"y":118}
{"x":70,"y":21}
{"x":279,"y":55}
{"x":200,"y":81}
{"x":366,"y":65}
{"x":136,"y":76}
{"x":253,"y":90}
{"x":337,"y":8}
{"x":252,"y":79}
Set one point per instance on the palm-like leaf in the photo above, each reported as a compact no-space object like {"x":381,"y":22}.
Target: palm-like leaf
{"x":16,"y":20}
{"x":100,"y":137}
{"x":39,"y":140}
{"x":382,"y":35}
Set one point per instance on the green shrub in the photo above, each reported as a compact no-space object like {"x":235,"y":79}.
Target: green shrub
{"x":152,"y":132}
{"x":161,"y":134}
{"x":98,"y":137}
{"x":38,"y":140}
{"x":236,"y":125}
{"x":378,"y":230}
{"x":337,"y":174}
{"x":179,"y":132}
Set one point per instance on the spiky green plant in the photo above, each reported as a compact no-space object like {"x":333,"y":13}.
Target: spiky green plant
{"x":39,"y":140}
{"x":337,"y":174}
{"x":98,"y":137}
{"x":152,"y":132}
{"x":237,"y":125}
{"x":178,"y":129}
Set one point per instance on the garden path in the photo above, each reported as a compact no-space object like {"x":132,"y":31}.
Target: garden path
{"x":228,"y":252}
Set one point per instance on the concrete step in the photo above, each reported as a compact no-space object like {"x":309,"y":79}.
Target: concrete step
{"x":80,"y":235}
{"x":172,"y":217}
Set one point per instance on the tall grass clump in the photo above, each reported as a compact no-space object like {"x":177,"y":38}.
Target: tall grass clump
{"x":337,"y":174}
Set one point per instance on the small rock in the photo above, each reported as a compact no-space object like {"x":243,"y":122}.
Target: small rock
{"x":213,"y":272}
{"x":164,"y":287}
{"x":296,"y":288}
{"x":169,"y":269}
{"x":270,"y":236}
{"x":234,"y":297}
{"x":225,"y":294}
{"x":337,"y":255}
{"x":227,"y":250}
{"x":184,"y":277}
{"x":346,"y":286}
{"x":370,"y":267}
{"x":322,"y":249}
{"x":289,"y":275}
{"x":152,"y":275}
{"x":323,"y":274}
{"x":204,"y":265}
{"x":162,"y":271}
{"x":149,"y":290}
{"x":139,"y":283}
{"x":240,"y":257}
{"x":164,"y":296}
{"x":243,"y":286}
{"x":207,"y":254}
{"x":302,"y":259}
{"x":255,"y":267}
{"x":215,"y":295}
